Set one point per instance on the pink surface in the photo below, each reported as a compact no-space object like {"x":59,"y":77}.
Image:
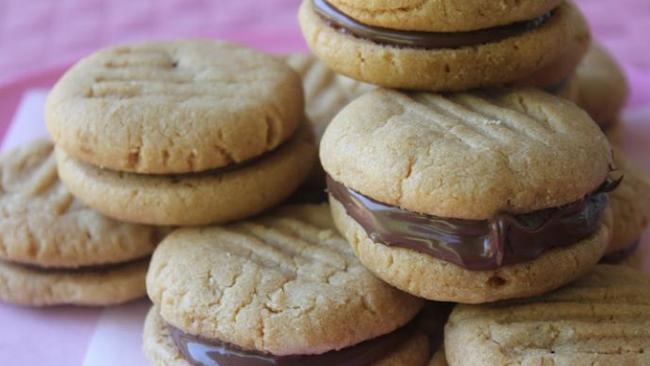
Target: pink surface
{"x":54,"y":336}
{"x":39,"y":37}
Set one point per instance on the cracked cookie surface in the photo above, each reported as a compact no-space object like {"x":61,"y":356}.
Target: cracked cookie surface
{"x":466,"y":155}
{"x":601,"y":319}
{"x":174,"y":107}
{"x":285,"y":283}
{"x":42,"y":224}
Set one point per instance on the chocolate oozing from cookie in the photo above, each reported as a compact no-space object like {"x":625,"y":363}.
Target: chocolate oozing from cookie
{"x":620,"y":255}
{"x":426,"y":40}
{"x":205,"y":352}
{"x":477,"y":244}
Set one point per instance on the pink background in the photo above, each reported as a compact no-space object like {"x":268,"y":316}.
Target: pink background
{"x":38,"y":38}
{"x":38,"y":34}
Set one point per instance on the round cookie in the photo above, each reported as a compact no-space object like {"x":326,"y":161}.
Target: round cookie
{"x":442,"y":16}
{"x":454,"y":61}
{"x":429,"y":190}
{"x":29,"y":285}
{"x":603,"y":89}
{"x":44,"y":225}
{"x":630,"y":204}
{"x":174,"y":106}
{"x":282,"y":285}
{"x":601,"y":319}
{"x":192,"y":199}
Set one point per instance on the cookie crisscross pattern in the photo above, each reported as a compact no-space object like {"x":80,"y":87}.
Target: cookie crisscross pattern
{"x":174,"y":107}
{"x":285,"y":284}
{"x":602,"y":318}
{"x":42,"y":224}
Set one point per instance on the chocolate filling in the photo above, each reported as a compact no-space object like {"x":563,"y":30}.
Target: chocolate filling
{"x":99,"y":268}
{"x":477,"y":244}
{"x":204,"y":352}
{"x":620,"y":255}
{"x":427,"y":40}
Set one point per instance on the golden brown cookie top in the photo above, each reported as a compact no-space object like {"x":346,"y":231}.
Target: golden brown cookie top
{"x":442,"y":15}
{"x":43,"y":224}
{"x":466,"y":155}
{"x":601,"y":319}
{"x":174,"y":106}
{"x":286,"y":283}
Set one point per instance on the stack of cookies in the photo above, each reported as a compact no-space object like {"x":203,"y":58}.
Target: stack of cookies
{"x":458,"y":170}
{"x":472,"y":183}
{"x":180,"y":133}
{"x":146,"y":137}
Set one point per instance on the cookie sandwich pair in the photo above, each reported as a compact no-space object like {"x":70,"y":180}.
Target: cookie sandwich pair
{"x":470,"y":197}
{"x":55,"y":250}
{"x":441,"y":46}
{"x":180,"y":133}
{"x":282,"y":289}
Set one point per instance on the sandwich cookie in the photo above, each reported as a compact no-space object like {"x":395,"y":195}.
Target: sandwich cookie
{"x":180,"y":133}
{"x":601,"y":319}
{"x":219,"y":195}
{"x":53,"y":249}
{"x":602,"y":86}
{"x":376,"y":42}
{"x":326,"y":93}
{"x":630,"y":204}
{"x":284,"y":289}
{"x":469,"y":197}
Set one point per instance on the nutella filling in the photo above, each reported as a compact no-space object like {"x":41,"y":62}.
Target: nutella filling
{"x":98,"y":268}
{"x":204,"y":352}
{"x":427,"y":40}
{"x":620,"y":255}
{"x":477,"y":244}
